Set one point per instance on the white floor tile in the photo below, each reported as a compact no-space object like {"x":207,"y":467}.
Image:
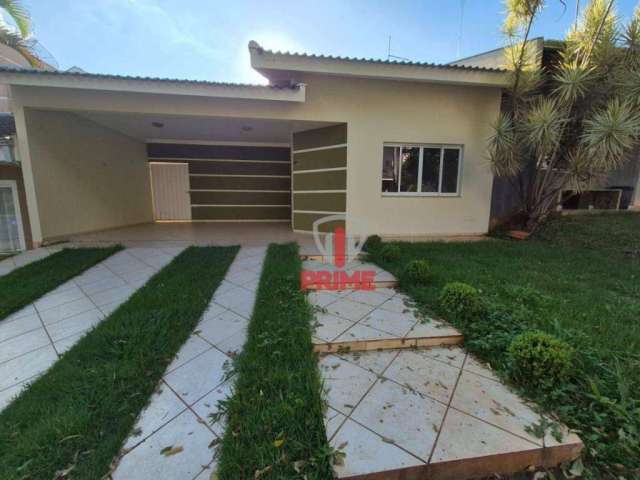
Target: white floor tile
{"x":13,"y":328}
{"x":345,"y":384}
{"x":196,"y":378}
{"x":22,"y":344}
{"x":147,"y":462}
{"x":24,"y":367}
{"x":76,"y":324}
{"x":66,"y":310}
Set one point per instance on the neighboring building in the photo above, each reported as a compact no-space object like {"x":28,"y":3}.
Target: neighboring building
{"x":399,"y":148}
{"x":621,"y":189}
{"x":15,"y":233}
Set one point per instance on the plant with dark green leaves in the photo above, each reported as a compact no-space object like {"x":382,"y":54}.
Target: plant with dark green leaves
{"x":462,"y":302}
{"x":417,"y":272}
{"x":538,"y":358}
{"x":372,"y":243}
{"x":389,"y":252}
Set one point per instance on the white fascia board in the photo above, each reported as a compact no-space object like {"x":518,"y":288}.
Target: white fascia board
{"x":162,"y":87}
{"x":266,"y":63}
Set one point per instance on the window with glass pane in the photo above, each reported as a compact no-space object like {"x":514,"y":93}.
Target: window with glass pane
{"x":409,"y":166}
{"x":450,"y":168}
{"x":390,"y":168}
{"x":430,"y":169}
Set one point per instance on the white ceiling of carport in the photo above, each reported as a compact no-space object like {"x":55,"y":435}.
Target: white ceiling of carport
{"x":212,"y":129}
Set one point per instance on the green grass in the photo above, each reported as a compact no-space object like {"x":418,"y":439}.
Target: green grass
{"x":80,"y":412}
{"x":579,"y":279}
{"x":275,"y":417}
{"x":26,"y":284}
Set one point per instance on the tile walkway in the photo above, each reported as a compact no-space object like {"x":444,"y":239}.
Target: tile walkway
{"x":432,"y":412}
{"x":32,"y":339}
{"x":360,"y":320}
{"x":24,"y":258}
{"x":177,"y":415}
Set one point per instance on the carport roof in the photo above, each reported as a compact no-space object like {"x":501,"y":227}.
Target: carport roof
{"x":124,"y":83}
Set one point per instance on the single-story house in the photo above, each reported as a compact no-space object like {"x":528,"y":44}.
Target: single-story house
{"x":399,"y":148}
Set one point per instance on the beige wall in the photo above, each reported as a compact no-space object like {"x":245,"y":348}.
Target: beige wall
{"x":376,"y":111}
{"x":86,"y":177}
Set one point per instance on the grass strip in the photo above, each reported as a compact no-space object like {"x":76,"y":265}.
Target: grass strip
{"x":26,"y":284}
{"x":75,"y":418}
{"x":578,"y":280}
{"x":275,"y":424}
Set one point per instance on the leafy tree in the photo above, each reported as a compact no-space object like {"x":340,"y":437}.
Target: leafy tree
{"x":567,"y":125}
{"x":18,"y":39}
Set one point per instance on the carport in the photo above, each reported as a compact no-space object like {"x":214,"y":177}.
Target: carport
{"x":115,"y":154}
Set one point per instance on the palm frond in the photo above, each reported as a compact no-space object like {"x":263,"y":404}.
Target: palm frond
{"x":610,"y":133}
{"x":544,"y":125}
{"x":597,"y":34}
{"x":505,"y":161}
{"x":581,"y":173}
{"x":19,"y":15}
{"x":573,"y":82}
{"x":13,"y":39}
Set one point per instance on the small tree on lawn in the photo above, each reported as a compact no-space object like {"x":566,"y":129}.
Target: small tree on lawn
{"x":570,"y":126}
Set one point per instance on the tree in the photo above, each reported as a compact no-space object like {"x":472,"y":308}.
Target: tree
{"x":18,"y":39}
{"x":569,"y":125}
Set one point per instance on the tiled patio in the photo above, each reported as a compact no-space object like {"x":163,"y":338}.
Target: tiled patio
{"x":178,"y":413}
{"x":246,"y":234}
{"x":32,"y":339}
{"x":402,"y":412}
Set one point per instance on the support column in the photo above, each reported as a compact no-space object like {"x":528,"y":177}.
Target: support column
{"x":24,"y":155}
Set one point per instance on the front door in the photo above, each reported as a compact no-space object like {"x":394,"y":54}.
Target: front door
{"x":11,"y":233}
{"x":170,"y":191}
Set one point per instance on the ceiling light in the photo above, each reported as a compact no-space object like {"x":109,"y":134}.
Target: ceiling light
{"x":247,"y":128}
{"x":157,"y":124}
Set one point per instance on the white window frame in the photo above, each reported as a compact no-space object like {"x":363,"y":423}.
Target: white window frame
{"x":16,"y":201}
{"x":422,"y":146}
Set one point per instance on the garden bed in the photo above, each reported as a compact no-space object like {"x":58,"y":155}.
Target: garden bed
{"x":577,"y":281}
{"x":26,"y":284}
{"x":275,"y":417}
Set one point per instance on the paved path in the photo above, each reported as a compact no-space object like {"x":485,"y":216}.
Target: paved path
{"x":434,"y":412}
{"x":32,"y":339}
{"x":177,"y":416}
{"x":24,"y":258}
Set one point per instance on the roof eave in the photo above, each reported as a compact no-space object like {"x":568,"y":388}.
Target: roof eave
{"x":161,"y":87}
{"x":274,"y":65}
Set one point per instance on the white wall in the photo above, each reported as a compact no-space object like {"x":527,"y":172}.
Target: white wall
{"x":375,"y":111}
{"x":86,"y":177}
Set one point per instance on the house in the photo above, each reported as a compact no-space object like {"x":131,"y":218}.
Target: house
{"x":619,"y":190}
{"x":392,"y":148}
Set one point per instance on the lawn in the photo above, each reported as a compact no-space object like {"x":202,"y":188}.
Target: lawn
{"x":579,"y":279}
{"x":26,"y":284}
{"x":275,"y":417}
{"x":72,"y":421}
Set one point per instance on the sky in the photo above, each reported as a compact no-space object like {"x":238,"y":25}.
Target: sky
{"x":207,"y":39}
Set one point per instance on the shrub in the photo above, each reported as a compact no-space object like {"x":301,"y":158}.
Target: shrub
{"x":462,"y":302}
{"x":539,"y":358}
{"x":390,"y":252}
{"x":372,"y":243}
{"x":417,"y":272}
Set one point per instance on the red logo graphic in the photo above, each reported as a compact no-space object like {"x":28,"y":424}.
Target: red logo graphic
{"x":341,"y":250}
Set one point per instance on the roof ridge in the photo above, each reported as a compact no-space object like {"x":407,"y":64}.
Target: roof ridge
{"x":111,"y":76}
{"x":255,"y":45}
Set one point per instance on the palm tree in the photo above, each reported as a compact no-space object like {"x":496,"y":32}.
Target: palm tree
{"x":567,"y":128}
{"x":18,"y":39}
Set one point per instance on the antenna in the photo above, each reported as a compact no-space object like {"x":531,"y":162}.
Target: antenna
{"x":395,"y":57}
{"x":460,"y":31}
